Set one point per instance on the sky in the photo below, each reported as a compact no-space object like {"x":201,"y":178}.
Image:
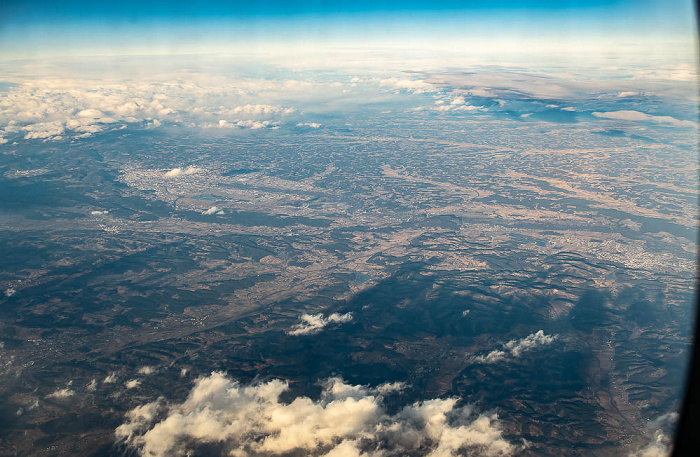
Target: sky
{"x":43,"y":28}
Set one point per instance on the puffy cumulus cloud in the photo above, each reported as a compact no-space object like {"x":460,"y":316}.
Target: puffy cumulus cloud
{"x":110,"y":378}
{"x":92,"y":385}
{"x":52,"y":109}
{"x":132,"y":383}
{"x":345,"y":420}
{"x":61,"y":393}
{"x":515,"y":348}
{"x":629,"y":115}
{"x":313,"y":125}
{"x":44,"y":131}
{"x":146,"y":370}
{"x":314,"y":323}
{"x":175,"y":172}
{"x":214,"y":210}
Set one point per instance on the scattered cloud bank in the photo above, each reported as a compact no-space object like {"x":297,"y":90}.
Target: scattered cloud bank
{"x":313,"y":125}
{"x":628,"y":115}
{"x":515,"y":348}
{"x":54,"y":109}
{"x":214,"y":210}
{"x":314,"y":323}
{"x":346,"y":421}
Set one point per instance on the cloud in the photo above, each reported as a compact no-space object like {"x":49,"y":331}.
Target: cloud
{"x":92,"y":385}
{"x":61,"y":393}
{"x":410,"y":85}
{"x":52,"y":108}
{"x":98,"y":213}
{"x":313,"y":125}
{"x":132,"y":383}
{"x":10,"y":292}
{"x":44,"y":130}
{"x":256,"y":110}
{"x":247,"y":123}
{"x":146,"y":370}
{"x":628,"y":115}
{"x":345,"y":420}
{"x":660,"y":442}
{"x":633,"y":93}
{"x":214,"y":210}
{"x":110,"y":379}
{"x":515,"y":348}
{"x":314,"y":323}
{"x":175,"y":172}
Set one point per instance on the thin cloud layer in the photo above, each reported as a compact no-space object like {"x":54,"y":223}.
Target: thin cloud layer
{"x":314,"y":323}
{"x":515,"y":348}
{"x":628,"y":115}
{"x":345,"y":421}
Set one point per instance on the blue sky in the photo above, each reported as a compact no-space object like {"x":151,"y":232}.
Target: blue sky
{"x":44,"y":27}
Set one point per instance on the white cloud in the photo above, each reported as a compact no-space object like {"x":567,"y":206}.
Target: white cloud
{"x":147,"y":370}
{"x":92,"y":385}
{"x":61,"y":393}
{"x":629,"y":115}
{"x":51,"y":108}
{"x":110,"y":379}
{"x":346,"y":420}
{"x":313,"y":125}
{"x":44,"y":130}
{"x":314,"y":323}
{"x":175,"y":172}
{"x":659,"y":444}
{"x":256,"y":110}
{"x":480,"y":92}
{"x":98,"y":213}
{"x":410,"y":85}
{"x":515,"y":348}
{"x":132,"y":383}
{"x":247,"y":123}
{"x":214,"y":210}
{"x":10,"y":291}
{"x":634,"y":93}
